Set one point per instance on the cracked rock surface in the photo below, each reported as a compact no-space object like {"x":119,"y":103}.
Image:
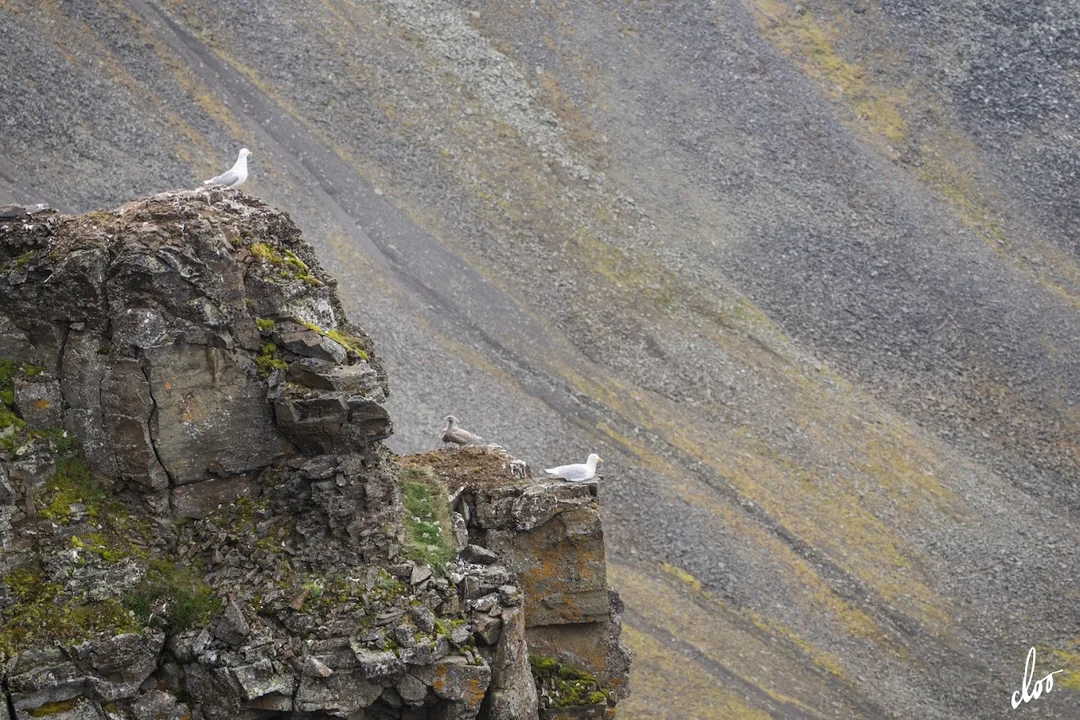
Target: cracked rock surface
{"x":197,"y":514}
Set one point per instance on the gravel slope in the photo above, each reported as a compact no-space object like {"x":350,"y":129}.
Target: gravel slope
{"x":805,"y":275}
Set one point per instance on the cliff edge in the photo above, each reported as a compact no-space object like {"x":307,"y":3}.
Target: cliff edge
{"x":199,"y":519}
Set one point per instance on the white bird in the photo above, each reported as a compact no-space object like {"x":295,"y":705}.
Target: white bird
{"x":234,"y":176}
{"x":459,"y":436}
{"x":579,"y":472}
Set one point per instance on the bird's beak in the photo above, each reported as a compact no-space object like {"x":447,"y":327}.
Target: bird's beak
{"x":599,"y":459}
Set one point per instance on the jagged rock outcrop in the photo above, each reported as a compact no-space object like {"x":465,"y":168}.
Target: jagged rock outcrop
{"x":548,"y":535}
{"x":199,"y":520}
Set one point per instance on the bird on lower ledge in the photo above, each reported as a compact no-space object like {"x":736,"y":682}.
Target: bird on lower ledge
{"x":578,"y":472}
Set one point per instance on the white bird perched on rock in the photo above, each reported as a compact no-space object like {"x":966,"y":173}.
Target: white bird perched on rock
{"x":579,"y":472}
{"x":459,"y":436}
{"x":234,"y":176}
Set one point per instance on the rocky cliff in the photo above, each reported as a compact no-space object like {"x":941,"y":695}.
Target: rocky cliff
{"x":199,"y":519}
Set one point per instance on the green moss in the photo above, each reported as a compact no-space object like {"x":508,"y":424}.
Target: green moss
{"x":300,"y":269}
{"x":11,"y":425}
{"x":8,"y":369}
{"x":106,"y":547}
{"x":62,"y":443}
{"x":320,"y":595}
{"x":72,"y":484}
{"x":350,"y":342}
{"x":264,"y":252}
{"x":427,"y":518}
{"x":113,"y":531}
{"x":52,"y":708}
{"x":24,"y":258}
{"x":269,"y":360}
{"x":566,"y":685}
{"x":176,"y":591}
{"x":543,"y":666}
{"x":265,"y":325}
{"x":244,"y":518}
{"x":292,"y":267}
{"x":44,"y":614}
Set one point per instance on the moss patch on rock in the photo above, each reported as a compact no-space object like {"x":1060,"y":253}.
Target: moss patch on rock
{"x":89,"y":528}
{"x":43,"y":614}
{"x":290,"y":266}
{"x":52,"y":708}
{"x":351,"y":343}
{"x":73,"y":484}
{"x":565,"y":685}
{"x":11,"y":425}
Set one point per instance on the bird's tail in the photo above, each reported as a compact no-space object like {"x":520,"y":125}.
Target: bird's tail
{"x":207,"y":182}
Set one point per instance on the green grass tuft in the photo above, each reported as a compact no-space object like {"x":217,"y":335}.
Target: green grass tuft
{"x":269,"y":360}
{"x":178,"y":592}
{"x":427,"y":517}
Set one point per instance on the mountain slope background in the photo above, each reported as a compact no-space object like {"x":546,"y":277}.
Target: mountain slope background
{"x":806,"y":275}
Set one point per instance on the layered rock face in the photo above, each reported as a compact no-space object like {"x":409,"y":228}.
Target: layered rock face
{"x":198,"y":518}
{"x":548,"y":535}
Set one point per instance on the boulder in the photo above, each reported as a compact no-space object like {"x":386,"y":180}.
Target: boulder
{"x":478,"y":555}
{"x":232,"y":627}
{"x":487,"y":628}
{"x":377,"y":663}
{"x":460,"y":682}
{"x":39,"y":403}
{"x":263,"y":678}
{"x":119,"y":665}
{"x":42,"y":676}
{"x":310,"y":344}
{"x":340,"y":695}
{"x":159,"y":705}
